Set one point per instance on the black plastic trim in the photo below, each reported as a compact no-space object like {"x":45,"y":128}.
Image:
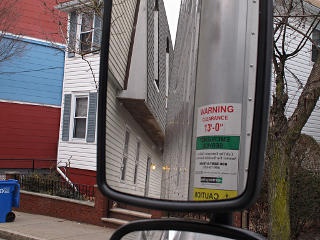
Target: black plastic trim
{"x":260,"y":125}
{"x":185,"y":225}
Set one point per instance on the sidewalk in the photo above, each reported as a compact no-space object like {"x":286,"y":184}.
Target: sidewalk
{"x":37,"y":227}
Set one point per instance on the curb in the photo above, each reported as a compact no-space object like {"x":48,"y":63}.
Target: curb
{"x":12,"y":235}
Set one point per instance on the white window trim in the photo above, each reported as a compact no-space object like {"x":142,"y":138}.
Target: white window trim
{"x":73,"y":112}
{"x":78,"y":34}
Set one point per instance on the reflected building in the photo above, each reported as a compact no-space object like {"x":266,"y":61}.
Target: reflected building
{"x":177,"y":151}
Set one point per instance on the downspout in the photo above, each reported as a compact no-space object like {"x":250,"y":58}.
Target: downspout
{"x":66,"y":178}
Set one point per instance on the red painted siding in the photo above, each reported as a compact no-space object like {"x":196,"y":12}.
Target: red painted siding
{"x":81,"y":176}
{"x":38,"y":19}
{"x":28,"y":132}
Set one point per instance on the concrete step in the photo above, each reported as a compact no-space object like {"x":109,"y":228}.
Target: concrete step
{"x":133,"y":208}
{"x":114,"y":221}
{"x":126,"y":212}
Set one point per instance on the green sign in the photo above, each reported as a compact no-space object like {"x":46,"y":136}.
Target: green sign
{"x":218,"y":142}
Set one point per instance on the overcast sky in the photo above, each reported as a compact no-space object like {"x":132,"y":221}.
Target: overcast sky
{"x":172,"y":10}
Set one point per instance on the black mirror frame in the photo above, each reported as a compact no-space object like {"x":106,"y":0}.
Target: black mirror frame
{"x":259,"y":136}
{"x":186,"y":225}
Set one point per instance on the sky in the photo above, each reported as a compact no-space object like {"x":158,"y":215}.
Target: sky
{"x":172,"y":10}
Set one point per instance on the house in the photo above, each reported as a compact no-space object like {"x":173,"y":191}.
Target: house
{"x":140,"y":56}
{"x":31,"y":75}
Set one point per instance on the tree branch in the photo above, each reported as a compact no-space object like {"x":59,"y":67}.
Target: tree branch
{"x":306,"y":103}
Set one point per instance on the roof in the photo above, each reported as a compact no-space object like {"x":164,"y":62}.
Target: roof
{"x":69,"y":5}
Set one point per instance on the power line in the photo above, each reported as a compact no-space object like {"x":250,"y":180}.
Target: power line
{"x":35,"y":70}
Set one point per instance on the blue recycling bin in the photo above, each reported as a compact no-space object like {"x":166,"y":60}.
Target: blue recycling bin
{"x":9,"y":197}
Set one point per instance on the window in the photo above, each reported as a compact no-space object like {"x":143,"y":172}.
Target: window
{"x":86,"y":33}
{"x":316,"y":39}
{"x":125,"y":155}
{"x":156,"y":45}
{"x":80,"y":117}
{"x":167,"y":70}
{"x":136,"y":163}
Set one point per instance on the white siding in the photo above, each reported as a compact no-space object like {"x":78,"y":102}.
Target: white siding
{"x":120,"y":38}
{"x":117,"y":121}
{"x":79,"y":78}
{"x":300,"y":66}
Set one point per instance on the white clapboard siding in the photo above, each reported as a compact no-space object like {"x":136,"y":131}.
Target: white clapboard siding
{"x":300,"y":66}
{"x":78,"y":76}
{"x":118,"y":121}
{"x":122,"y":21}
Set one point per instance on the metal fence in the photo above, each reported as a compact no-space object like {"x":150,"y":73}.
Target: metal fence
{"x":57,"y":188}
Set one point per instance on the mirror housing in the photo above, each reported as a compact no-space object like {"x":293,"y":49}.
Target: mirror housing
{"x":259,"y":131}
{"x":224,"y":231}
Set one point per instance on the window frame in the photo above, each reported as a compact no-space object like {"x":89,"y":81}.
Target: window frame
{"x":125,"y":155}
{"x":156,"y":73}
{"x":77,"y":47}
{"x":73,"y":112}
{"x":167,"y":70}
{"x":137,"y":160}
{"x":79,"y":32}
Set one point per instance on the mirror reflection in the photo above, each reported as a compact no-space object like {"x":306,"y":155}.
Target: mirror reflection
{"x":176,"y":102}
{"x":170,"y":235}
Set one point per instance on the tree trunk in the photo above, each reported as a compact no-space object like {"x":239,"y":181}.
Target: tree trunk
{"x":279,"y":186}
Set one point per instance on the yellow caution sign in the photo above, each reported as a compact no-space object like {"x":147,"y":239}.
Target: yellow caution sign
{"x":201,"y":194}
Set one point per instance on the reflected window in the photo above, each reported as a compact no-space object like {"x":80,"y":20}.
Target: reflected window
{"x":156,"y":45}
{"x":136,"y":163}
{"x":167,"y":70}
{"x":125,"y":155}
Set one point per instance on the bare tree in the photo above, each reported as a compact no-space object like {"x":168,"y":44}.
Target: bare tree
{"x":295,"y":22}
{"x":10,"y":44}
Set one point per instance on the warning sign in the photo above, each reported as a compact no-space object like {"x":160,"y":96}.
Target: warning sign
{"x":219,"y":120}
{"x":217,"y":152}
{"x":212,"y":194}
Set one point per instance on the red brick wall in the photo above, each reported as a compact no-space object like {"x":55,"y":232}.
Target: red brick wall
{"x":31,"y":203}
{"x":237,"y":219}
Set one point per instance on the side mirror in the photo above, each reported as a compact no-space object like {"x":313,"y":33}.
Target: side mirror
{"x":217,"y":113}
{"x":181,"y":229}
